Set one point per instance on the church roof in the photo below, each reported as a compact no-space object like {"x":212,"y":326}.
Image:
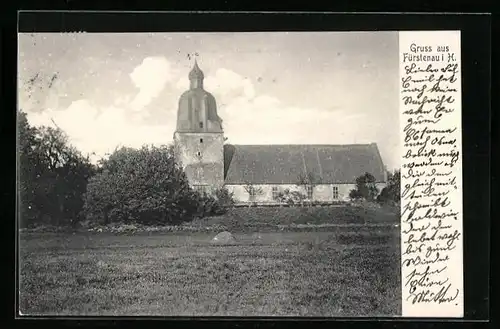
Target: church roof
{"x":197,"y":111}
{"x":283,"y":164}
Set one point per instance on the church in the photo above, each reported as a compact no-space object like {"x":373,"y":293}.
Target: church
{"x":258,"y":173}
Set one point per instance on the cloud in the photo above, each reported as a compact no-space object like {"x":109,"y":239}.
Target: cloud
{"x":101,"y":130}
{"x":150,"y":77}
{"x":251,"y":118}
{"x":227,"y":82}
{"x":248,"y":117}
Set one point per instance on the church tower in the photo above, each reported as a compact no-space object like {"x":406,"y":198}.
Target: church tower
{"x":199,"y":138}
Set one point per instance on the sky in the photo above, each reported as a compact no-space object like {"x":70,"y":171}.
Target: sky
{"x":107,"y":90}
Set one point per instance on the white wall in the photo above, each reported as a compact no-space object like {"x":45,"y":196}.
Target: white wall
{"x":323,"y":192}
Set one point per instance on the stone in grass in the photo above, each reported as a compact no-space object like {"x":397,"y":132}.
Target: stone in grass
{"x":223,"y":238}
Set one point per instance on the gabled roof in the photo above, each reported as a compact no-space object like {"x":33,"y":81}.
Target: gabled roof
{"x":283,"y":164}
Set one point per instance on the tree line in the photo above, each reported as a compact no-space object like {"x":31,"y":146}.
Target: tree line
{"x":58,"y":185}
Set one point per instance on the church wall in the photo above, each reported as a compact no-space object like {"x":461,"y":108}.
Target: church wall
{"x":323,"y":192}
{"x":380,"y":186}
{"x":344,"y":190}
{"x":241,"y":195}
{"x":203,"y":152}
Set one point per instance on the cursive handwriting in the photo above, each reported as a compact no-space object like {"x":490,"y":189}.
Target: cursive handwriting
{"x":430,"y":182}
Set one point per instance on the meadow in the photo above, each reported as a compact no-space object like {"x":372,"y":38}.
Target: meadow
{"x":344,"y":269}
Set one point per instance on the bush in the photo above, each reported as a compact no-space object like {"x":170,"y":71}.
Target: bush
{"x":147,"y":186}
{"x":144,"y":186}
{"x":365,"y":188}
{"x":355,"y":195}
{"x":390,"y":195}
{"x":224,"y":197}
{"x":214,"y":204}
{"x":290,"y":197}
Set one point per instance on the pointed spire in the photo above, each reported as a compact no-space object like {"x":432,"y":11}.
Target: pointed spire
{"x":196,"y":73}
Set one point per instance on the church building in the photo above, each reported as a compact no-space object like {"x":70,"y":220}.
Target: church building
{"x":258,"y":173}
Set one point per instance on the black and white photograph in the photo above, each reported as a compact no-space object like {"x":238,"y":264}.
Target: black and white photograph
{"x":209,"y":174}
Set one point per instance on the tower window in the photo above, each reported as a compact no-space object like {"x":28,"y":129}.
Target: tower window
{"x":201,"y":140}
{"x":201,"y":125}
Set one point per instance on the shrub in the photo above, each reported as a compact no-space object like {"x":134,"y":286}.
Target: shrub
{"x":365,"y":188}
{"x":390,"y":194}
{"x":147,"y":186}
{"x":290,"y":197}
{"x":214,"y":204}
{"x":144,"y":185}
{"x":224,"y":197}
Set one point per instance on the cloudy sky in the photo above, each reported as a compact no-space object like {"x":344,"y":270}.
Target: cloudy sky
{"x":108,"y":90}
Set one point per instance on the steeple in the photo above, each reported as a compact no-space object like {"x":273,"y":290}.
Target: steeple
{"x":197,"y":107}
{"x":199,"y":138}
{"x":196,"y":77}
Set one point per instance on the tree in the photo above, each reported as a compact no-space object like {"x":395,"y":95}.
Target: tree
{"x":309,"y":180}
{"x":53,"y":175}
{"x":392,"y":192}
{"x":66,"y":175}
{"x":365,"y":188}
{"x":141,"y":185}
{"x":29,"y":168}
{"x":252,"y":190}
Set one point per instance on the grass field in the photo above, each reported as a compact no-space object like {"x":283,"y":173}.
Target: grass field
{"x":343,"y":272}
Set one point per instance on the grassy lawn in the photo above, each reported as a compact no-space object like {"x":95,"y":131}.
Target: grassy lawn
{"x":341,"y":272}
{"x":269,"y":216}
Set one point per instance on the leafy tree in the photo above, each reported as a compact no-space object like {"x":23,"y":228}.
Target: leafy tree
{"x":29,"y":170}
{"x":392,"y":192}
{"x":66,"y":175}
{"x":52,"y":175}
{"x":144,"y":185}
{"x":365,"y":188}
